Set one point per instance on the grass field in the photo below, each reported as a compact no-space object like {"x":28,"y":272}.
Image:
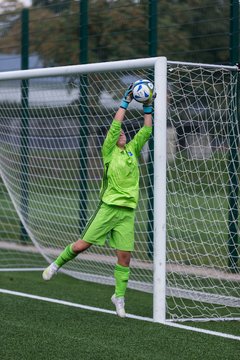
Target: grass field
{"x":35,"y":329}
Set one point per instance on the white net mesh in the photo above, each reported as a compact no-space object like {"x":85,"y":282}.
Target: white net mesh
{"x":52,"y":130}
{"x":202,"y":114}
{"x":51,"y":165}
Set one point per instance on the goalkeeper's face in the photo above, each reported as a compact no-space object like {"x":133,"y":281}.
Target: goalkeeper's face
{"x":122,"y":139}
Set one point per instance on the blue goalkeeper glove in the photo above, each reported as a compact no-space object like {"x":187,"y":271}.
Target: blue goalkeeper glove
{"x":148,"y":105}
{"x":127,"y":98}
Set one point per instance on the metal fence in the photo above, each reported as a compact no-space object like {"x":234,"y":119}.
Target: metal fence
{"x":52,"y":33}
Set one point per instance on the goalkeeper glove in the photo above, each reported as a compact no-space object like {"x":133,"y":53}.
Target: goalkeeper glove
{"x":148,"y":105}
{"x":127,"y":98}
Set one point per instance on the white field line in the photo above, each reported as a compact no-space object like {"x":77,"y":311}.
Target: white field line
{"x":147,"y":287}
{"x":204,"y":331}
{"x":21,"y":269}
{"x":111,"y":312}
{"x":68,"y":303}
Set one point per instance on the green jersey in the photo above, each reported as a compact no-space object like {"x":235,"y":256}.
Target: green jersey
{"x":121,"y":174}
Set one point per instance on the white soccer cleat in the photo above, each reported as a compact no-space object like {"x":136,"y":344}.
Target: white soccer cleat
{"x":119,"y":303}
{"x":50,"y":271}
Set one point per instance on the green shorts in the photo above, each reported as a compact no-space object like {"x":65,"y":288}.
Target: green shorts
{"x":114,"y":220}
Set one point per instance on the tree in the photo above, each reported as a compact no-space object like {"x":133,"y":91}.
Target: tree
{"x":114,"y":36}
{"x":188,"y":30}
{"x":9,"y":16}
{"x":206,"y":28}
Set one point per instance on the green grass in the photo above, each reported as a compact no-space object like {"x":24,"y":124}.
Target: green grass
{"x":32,"y":329}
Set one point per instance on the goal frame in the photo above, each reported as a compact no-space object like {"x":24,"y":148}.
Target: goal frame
{"x":160,"y":113}
{"x":160,"y":159}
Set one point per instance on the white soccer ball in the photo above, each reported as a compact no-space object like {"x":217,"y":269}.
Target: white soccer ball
{"x":143,"y":90}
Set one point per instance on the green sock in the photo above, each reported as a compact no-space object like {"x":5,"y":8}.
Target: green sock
{"x":121,"y":274}
{"x":65,"y":256}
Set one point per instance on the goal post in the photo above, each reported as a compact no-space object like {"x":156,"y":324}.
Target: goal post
{"x":160,"y":161}
{"x":69,"y":113}
{"x":233,"y":169}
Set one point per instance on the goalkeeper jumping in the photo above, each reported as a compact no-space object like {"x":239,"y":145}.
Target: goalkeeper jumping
{"x":119,"y":198}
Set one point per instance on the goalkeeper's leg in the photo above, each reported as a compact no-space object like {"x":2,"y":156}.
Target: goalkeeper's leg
{"x":94,"y":233}
{"x":69,"y":253}
{"x":121,"y":275}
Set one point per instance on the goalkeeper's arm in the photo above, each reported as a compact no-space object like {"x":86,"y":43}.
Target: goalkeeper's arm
{"x":115,"y":129}
{"x":148,"y":120}
{"x":148,"y":109}
{"x":127,"y":98}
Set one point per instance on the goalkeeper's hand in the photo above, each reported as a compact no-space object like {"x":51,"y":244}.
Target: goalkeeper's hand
{"x":127,"y":98}
{"x":148,"y":105}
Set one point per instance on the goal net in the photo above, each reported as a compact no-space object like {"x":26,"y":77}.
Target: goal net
{"x":52,"y":125}
{"x":202,"y":191}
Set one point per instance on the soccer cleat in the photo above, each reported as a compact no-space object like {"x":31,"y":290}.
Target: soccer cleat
{"x":119,"y":303}
{"x":50,"y":271}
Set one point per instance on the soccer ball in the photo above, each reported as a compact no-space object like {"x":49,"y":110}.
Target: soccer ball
{"x":143,"y":90}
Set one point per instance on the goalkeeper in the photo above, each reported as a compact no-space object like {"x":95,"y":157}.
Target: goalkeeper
{"x":119,"y":198}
